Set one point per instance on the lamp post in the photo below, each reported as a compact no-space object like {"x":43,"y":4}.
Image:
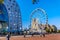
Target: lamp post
{"x":35,"y":1}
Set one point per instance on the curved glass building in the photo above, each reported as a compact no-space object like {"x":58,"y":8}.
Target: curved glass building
{"x":10,"y":16}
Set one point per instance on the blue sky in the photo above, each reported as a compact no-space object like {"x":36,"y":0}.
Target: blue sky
{"x":52,"y":8}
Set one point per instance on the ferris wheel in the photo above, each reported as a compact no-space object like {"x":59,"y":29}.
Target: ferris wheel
{"x":40,"y":15}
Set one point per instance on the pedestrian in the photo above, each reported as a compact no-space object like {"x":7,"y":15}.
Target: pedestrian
{"x":8,"y":36}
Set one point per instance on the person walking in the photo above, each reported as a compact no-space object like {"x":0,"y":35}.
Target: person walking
{"x":8,"y":36}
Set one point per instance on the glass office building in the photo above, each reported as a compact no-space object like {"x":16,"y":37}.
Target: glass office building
{"x":10,"y":15}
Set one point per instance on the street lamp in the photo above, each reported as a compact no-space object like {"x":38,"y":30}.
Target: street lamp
{"x":35,"y":1}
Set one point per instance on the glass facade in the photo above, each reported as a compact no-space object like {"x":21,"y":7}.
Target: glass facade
{"x":12,"y":15}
